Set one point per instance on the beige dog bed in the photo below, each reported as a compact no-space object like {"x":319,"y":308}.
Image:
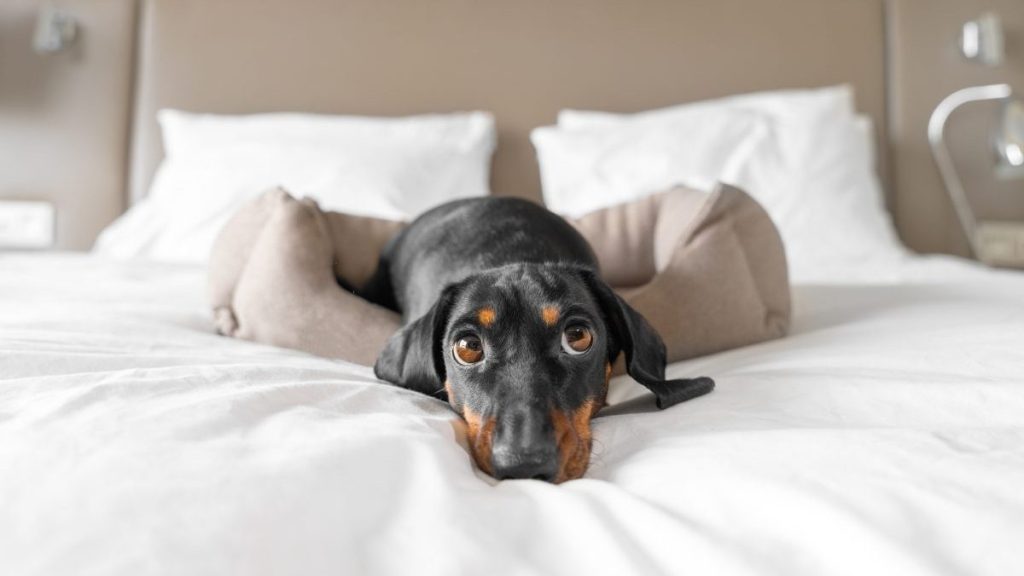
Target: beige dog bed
{"x":708,"y":272}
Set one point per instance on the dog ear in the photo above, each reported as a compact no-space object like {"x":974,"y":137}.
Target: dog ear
{"x":643,"y":347}
{"x":412,"y":357}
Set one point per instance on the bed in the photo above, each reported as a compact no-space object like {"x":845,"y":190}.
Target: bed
{"x":884,"y":435}
{"x":136,"y":441}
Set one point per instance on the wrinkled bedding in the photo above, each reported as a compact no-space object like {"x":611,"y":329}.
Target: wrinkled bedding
{"x":884,"y":436}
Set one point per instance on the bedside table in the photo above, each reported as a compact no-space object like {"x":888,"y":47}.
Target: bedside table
{"x":1000,"y":243}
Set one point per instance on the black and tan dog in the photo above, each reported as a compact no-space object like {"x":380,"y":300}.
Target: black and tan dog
{"x":506,"y":318}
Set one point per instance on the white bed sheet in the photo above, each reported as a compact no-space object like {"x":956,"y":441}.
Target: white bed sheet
{"x":885,"y":436}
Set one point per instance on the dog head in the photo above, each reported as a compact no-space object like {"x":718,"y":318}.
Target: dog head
{"x":524,"y":354}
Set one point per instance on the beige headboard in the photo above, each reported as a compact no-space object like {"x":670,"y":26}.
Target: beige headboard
{"x":523,"y":60}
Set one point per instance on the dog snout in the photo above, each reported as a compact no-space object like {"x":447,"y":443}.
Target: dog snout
{"x":524,"y":446}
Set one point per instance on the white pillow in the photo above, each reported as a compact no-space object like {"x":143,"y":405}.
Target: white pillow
{"x":394,"y":168}
{"x":829,"y":206}
{"x":813,"y":172}
{"x":594,"y":166}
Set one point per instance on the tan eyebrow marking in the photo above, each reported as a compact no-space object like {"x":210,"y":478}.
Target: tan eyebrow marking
{"x":486,"y":316}
{"x":550,"y":315}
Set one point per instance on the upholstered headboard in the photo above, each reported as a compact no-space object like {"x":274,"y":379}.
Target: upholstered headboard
{"x":522,"y":60}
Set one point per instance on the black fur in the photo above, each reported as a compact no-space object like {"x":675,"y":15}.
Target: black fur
{"x":514,"y":257}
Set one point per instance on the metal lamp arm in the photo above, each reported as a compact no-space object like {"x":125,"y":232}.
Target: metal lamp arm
{"x":936,"y":137}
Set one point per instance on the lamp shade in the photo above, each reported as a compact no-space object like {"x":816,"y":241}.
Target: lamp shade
{"x":1009,"y":139}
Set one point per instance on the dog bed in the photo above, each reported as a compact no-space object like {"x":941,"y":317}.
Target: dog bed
{"x":708,"y":271}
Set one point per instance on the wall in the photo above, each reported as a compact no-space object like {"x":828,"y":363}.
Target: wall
{"x":925,"y":67}
{"x":64,"y":117}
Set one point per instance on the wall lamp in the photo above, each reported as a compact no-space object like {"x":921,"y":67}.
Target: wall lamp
{"x":992,"y":242}
{"x":55,"y":31}
{"x":1009,"y":147}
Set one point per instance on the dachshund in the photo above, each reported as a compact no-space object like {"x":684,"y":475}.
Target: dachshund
{"x":506,"y":318}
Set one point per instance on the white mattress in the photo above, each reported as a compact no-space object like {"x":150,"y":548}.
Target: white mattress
{"x":885,"y":436}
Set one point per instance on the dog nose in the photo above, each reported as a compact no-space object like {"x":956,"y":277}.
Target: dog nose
{"x":537,"y":464}
{"x":524,"y":443}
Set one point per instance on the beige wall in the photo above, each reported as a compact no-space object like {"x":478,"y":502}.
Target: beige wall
{"x":925,"y":67}
{"x":64,"y":117}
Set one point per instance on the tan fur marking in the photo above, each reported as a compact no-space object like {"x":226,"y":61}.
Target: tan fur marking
{"x":550,"y":315}
{"x":486,"y":317}
{"x":572,"y":432}
{"x":480,"y":434}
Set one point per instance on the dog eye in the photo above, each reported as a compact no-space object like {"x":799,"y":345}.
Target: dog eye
{"x":468,"y":350}
{"x":577,"y":339}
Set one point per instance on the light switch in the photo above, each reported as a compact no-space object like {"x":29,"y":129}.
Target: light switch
{"x":27,"y":224}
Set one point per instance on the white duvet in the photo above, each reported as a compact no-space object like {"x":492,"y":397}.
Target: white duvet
{"x":885,"y":436}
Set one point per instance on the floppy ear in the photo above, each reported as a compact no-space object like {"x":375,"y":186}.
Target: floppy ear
{"x":412,"y":357}
{"x":643,"y":347}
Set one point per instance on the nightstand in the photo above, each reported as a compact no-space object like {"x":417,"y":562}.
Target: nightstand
{"x":1000,"y":243}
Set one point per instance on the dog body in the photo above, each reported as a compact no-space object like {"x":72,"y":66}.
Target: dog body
{"x":506,"y":318}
